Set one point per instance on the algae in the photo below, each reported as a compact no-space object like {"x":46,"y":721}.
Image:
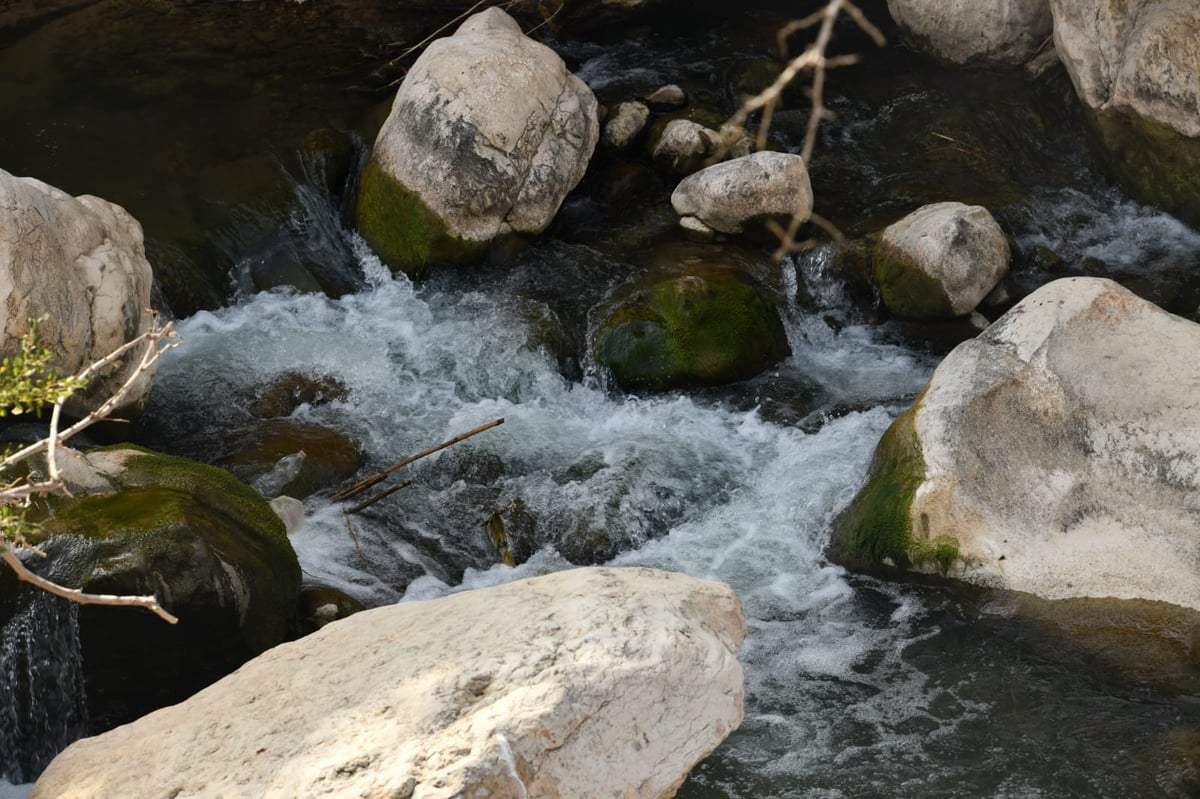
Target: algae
{"x":708,"y":327}
{"x":876,"y":528}
{"x":907,"y":291}
{"x":402,"y":230}
{"x":1156,"y":164}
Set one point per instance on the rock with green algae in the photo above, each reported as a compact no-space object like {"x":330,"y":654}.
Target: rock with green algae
{"x":488,"y":133}
{"x":940,"y":261}
{"x":1053,"y":454}
{"x":195,"y":535}
{"x":709,"y":325}
{"x":1135,"y":65}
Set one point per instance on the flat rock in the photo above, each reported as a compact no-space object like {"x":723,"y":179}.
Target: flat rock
{"x":584,"y":683}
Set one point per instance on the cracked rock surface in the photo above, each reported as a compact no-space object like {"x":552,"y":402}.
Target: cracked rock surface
{"x":80,"y":263}
{"x":597,"y":682}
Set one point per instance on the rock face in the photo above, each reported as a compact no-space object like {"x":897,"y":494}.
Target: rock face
{"x":591,"y":682}
{"x":487,"y":134}
{"x":940,"y":261}
{"x":1055,"y":454}
{"x":706,"y":326}
{"x":992,"y":31}
{"x":726,"y":196}
{"x":1136,"y":67}
{"x":78,"y":262}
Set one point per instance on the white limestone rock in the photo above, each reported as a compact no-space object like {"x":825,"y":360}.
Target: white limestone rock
{"x":940,"y":261}
{"x":1058,"y":454}
{"x":589,"y":682}
{"x":1138,"y":56}
{"x":728,"y":195}
{"x":487,"y":135}
{"x":79,"y":263}
{"x":961,"y":31}
{"x":626,"y":122}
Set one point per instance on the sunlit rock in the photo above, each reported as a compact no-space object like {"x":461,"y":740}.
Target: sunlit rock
{"x":1136,"y":67}
{"x":1054,"y":454}
{"x":79,"y":265}
{"x":940,"y":261}
{"x":726,"y":197}
{"x":590,"y":682}
{"x":487,"y":134}
{"x":991,"y":31}
{"x":624,"y":125}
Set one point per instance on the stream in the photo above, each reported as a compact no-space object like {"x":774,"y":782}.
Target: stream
{"x":854,"y":687}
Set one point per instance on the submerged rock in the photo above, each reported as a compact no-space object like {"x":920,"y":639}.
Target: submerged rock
{"x":1054,"y":454}
{"x":727,"y":197}
{"x":940,"y":261}
{"x":590,"y":682}
{"x":1136,"y":67}
{"x":709,"y":325}
{"x":992,"y":31}
{"x":78,"y":264}
{"x":487,"y":134}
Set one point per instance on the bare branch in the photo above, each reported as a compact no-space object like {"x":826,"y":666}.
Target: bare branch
{"x":150,"y":603}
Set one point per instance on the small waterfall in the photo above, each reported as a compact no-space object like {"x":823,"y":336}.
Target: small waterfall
{"x":42,"y":708}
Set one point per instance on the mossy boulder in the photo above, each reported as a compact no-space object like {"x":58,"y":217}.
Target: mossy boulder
{"x":465,"y":161}
{"x":940,"y":261}
{"x":1051,"y":454}
{"x":208,"y":546}
{"x":194,"y":534}
{"x":708,"y":325}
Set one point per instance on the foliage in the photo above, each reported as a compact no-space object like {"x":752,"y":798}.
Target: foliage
{"x":28,"y":383}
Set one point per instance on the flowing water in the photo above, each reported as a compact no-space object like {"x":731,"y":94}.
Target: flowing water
{"x":855,"y":687}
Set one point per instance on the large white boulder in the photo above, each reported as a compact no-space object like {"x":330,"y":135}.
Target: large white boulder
{"x":726,"y":196}
{"x":940,"y":261}
{"x":487,"y":135}
{"x":79,"y":264}
{"x":961,"y":31}
{"x":1058,"y":454}
{"x":1136,"y":67}
{"x":590,"y":682}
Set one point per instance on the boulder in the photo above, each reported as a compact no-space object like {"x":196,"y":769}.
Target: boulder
{"x":940,"y":261}
{"x":706,"y":325}
{"x":79,"y":264}
{"x":487,"y":134}
{"x":210,"y":548}
{"x":1054,"y":454}
{"x":989,"y":31}
{"x":725,"y":197}
{"x":1136,"y":67}
{"x":590,"y":682}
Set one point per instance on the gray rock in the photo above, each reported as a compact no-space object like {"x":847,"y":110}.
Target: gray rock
{"x":1055,"y":454}
{"x":992,"y":31}
{"x":685,"y":145}
{"x":80,"y":263}
{"x":626,"y":122}
{"x":589,"y":682}
{"x":728,"y":195}
{"x":487,"y":134}
{"x":940,"y":261}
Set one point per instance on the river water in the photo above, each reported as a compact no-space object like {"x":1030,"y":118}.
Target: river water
{"x":855,"y":687}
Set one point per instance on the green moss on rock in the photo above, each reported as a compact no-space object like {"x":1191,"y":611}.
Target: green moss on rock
{"x":402,"y":230}
{"x":875,"y":531}
{"x":707,"y":327}
{"x":1156,"y":164}
{"x":193,"y":534}
{"x":905,"y":288}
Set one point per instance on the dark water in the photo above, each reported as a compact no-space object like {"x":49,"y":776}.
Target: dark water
{"x":211,"y":124}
